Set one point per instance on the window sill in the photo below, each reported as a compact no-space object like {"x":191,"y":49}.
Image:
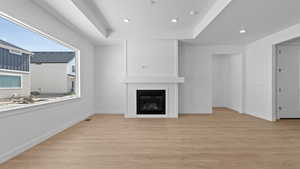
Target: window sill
{"x":15,"y":71}
{"x":14,"y":109}
{"x":13,"y":88}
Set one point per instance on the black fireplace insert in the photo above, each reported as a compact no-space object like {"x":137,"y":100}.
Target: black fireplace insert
{"x":151,"y":102}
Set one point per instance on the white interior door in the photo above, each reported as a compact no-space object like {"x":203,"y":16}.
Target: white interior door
{"x":288,"y":81}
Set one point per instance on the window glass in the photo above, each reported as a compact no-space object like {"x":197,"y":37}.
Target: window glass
{"x":73,"y":69}
{"x":8,"y":81}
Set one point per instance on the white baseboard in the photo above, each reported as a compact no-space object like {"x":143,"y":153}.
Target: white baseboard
{"x":173,"y":117}
{"x":113,"y":113}
{"x":150,"y":116}
{"x":260,"y":116}
{"x":20,"y":149}
{"x":193,"y":113}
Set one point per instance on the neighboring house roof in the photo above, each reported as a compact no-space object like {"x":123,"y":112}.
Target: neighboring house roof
{"x":52,"y":57}
{"x":9,"y":45}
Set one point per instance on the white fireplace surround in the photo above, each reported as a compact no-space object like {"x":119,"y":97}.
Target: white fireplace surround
{"x":152,"y":65}
{"x":170,"y":87}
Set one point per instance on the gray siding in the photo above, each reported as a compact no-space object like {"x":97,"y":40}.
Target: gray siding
{"x":12,"y":61}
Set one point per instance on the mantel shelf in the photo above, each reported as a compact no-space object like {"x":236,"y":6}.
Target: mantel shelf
{"x":157,"y":79}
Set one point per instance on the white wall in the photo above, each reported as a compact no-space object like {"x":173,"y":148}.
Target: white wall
{"x":152,"y":57}
{"x":20,"y":129}
{"x":235,"y":83}
{"x":259,"y":74}
{"x":110,"y":70}
{"x":144,"y":58}
{"x":49,"y":78}
{"x":220,"y":74}
{"x":195,"y":94}
{"x":227,"y":81}
{"x":195,"y":65}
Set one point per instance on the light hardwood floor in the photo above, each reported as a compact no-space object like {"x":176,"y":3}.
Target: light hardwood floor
{"x":224,"y":140}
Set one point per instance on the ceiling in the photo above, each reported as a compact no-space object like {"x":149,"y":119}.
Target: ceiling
{"x":153,"y":18}
{"x":295,"y":41}
{"x":215,"y":21}
{"x":68,"y":13}
{"x":260,"y":18}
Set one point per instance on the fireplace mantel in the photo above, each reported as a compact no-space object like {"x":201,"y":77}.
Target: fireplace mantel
{"x":156,"y":79}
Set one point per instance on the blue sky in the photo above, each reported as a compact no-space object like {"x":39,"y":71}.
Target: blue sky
{"x":27,"y":39}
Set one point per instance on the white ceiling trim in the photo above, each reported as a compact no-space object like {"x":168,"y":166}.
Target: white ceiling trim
{"x":97,"y":21}
{"x":90,"y":20}
{"x":81,"y":25}
{"x":214,"y":11}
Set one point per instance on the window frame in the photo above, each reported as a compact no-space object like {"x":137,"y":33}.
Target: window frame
{"x":60,"y":100}
{"x":12,"y":88}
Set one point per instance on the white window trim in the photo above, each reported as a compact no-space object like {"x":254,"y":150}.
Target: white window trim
{"x":77,"y":67}
{"x":4,"y":112}
{"x":12,"y":88}
{"x":16,"y":52}
{"x":12,"y":48}
{"x":15,"y":71}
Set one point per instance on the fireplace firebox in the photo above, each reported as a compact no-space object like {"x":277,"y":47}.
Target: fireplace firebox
{"x":151,"y":102}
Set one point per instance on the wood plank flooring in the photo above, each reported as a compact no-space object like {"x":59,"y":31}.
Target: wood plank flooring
{"x":224,"y":140}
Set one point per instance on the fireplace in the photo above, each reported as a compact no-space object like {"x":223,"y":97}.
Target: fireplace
{"x":151,"y":102}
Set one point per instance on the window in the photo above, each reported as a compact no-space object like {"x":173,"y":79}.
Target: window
{"x":10,"y":81}
{"x":15,"y":52}
{"x":73,"y":69}
{"x":35,"y":68}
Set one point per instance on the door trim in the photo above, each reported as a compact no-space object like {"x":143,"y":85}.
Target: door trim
{"x":275,"y":115}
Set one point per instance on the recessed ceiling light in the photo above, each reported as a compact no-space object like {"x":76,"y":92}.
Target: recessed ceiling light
{"x":243,"y":30}
{"x":193,"y":12}
{"x":126,"y":20}
{"x":174,"y":20}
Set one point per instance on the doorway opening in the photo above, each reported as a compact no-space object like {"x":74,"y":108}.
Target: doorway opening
{"x":227,"y":81}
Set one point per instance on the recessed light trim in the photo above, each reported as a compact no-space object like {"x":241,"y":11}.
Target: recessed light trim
{"x":174,"y":20}
{"x":242,"y":31}
{"x":126,"y":20}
